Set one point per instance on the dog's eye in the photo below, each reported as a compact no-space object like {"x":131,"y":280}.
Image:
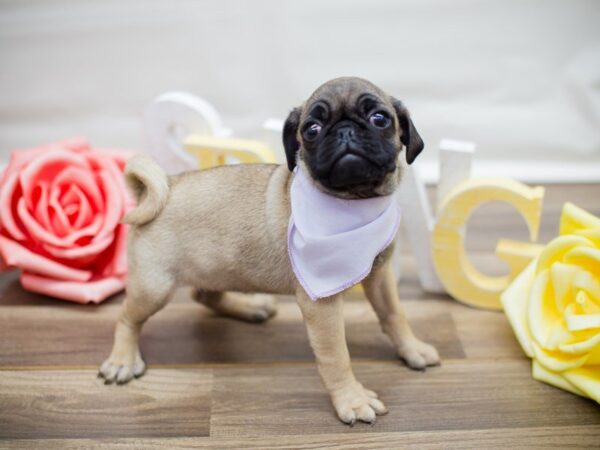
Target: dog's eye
{"x":312,"y":131}
{"x":379,"y":120}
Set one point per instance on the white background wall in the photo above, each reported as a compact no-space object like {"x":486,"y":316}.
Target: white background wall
{"x":521,"y":78}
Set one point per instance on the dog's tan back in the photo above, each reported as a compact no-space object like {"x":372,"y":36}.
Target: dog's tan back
{"x":222,"y":229}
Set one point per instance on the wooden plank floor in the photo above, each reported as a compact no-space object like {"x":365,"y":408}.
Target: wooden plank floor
{"x":217,"y":383}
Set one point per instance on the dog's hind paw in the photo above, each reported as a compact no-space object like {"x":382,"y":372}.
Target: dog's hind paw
{"x":248,"y":307}
{"x":121,"y":370}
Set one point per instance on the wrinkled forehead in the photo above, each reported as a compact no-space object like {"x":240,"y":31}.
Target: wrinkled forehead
{"x":345,"y":94}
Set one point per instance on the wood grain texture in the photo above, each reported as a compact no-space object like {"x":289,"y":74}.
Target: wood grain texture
{"x":283,"y":401}
{"x":458,"y":395}
{"x":486,"y":334}
{"x":560,"y":437}
{"x":74,"y":403}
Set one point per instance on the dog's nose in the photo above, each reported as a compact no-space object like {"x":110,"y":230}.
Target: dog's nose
{"x":345,"y":134}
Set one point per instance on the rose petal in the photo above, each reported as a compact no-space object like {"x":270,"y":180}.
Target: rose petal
{"x":50,"y":240}
{"x":60,"y":222}
{"x":81,"y":178}
{"x":574,"y":219}
{"x":558,"y":334}
{"x":74,"y":201}
{"x":557,"y":361}
{"x":95,"y":247}
{"x":120,"y":265}
{"x":544,"y":318}
{"x":46,"y":167}
{"x":6,"y":207}
{"x":594,"y":359}
{"x":112,"y":166}
{"x":541,"y":311}
{"x":116,"y":260}
{"x":578,"y":322}
{"x":87,"y":231}
{"x":540,"y":373}
{"x":562,"y":276}
{"x":15,"y":255}
{"x":91,"y":291}
{"x":85,"y":213}
{"x":586,"y":379}
{"x":581,"y":347}
{"x":20,"y":158}
{"x":35,"y":229}
{"x":585,"y":257}
{"x":41,"y":207}
{"x":114,"y":202}
{"x":585,"y":281}
{"x":515,"y":303}
{"x":556,"y":249}
{"x":67,"y":196}
{"x":593,"y":234}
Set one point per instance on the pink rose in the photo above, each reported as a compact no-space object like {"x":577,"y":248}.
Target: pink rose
{"x":60,"y":211}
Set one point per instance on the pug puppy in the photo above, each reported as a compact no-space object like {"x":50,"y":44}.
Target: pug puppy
{"x":224,"y":232}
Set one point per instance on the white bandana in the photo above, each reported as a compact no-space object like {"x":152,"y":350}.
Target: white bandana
{"x":333,"y":242}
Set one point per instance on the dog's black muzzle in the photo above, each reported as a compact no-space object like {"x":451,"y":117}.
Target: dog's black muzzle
{"x":354,"y":164}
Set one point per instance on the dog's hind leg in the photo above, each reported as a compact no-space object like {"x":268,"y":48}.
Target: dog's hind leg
{"x":247,"y":307}
{"x":144,"y":298}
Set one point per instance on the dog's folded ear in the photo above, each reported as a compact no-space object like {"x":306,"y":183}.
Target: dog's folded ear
{"x":290,"y":139}
{"x":410,"y":137}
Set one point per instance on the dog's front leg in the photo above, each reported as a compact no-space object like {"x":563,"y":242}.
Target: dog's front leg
{"x":324,"y":321}
{"x":381,"y":290}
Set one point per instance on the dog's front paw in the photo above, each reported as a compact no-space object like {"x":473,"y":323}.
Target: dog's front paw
{"x":122,"y":368}
{"x":418,"y":354}
{"x":354,"y":402}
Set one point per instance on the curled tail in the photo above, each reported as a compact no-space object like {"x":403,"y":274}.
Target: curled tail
{"x":150,"y":186}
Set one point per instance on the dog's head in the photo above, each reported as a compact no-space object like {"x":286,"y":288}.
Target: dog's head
{"x":348,"y":135}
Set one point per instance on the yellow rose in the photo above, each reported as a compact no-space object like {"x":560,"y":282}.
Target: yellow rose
{"x":554,"y":306}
